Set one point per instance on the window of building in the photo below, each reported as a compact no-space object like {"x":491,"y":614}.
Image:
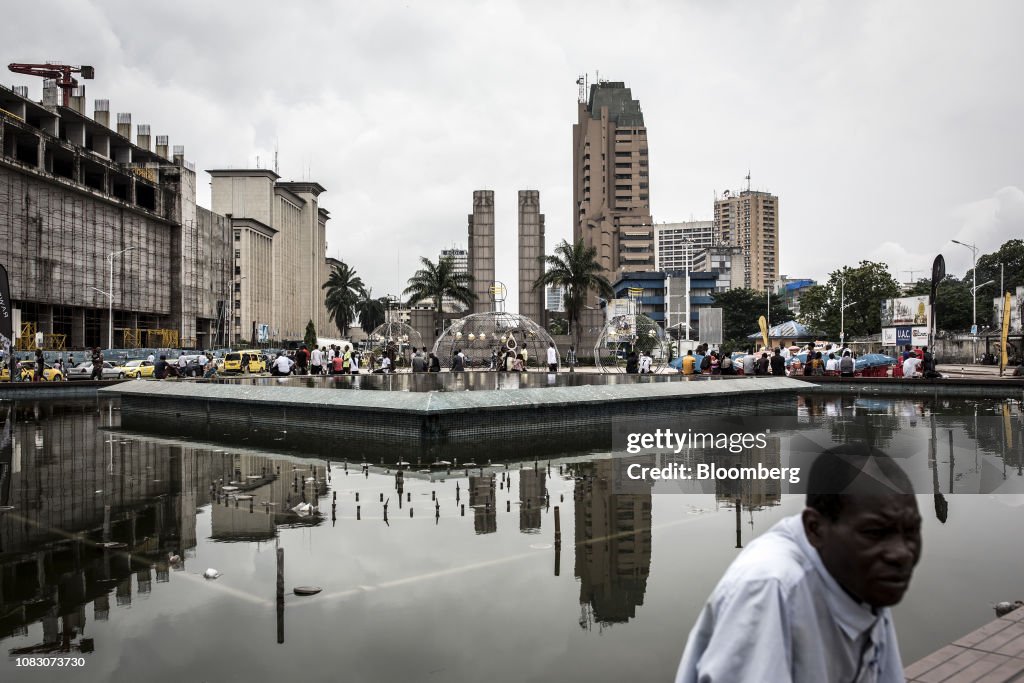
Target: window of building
{"x":238,"y":253}
{"x":238,"y":235}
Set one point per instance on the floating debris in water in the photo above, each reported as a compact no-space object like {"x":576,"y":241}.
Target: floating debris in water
{"x":306,"y":590}
{"x":113,"y":545}
{"x":1004,"y":608}
{"x":211,"y":573}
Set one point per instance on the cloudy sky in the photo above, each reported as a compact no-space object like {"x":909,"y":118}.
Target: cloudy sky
{"x":885,"y":128}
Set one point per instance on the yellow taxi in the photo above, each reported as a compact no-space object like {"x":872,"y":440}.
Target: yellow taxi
{"x":136,"y":369}
{"x":249,"y":360}
{"x":27,"y":372}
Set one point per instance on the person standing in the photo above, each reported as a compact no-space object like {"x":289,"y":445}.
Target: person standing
{"x":97,"y":363}
{"x":689,"y":365}
{"x":570,"y":358}
{"x":778,"y":364}
{"x":316,"y":361}
{"x":419,"y":363}
{"x":552,"y":357}
{"x":763,"y":365}
{"x":459,"y":361}
{"x":846,"y":365}
{"x":749,"y":361}
{"x":37,"y":376}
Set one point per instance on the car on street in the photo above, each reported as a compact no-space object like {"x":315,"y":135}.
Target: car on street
{"x":249,"y":360}
{"x":27,"y":372}
{"x":84,"y":370}
{"x":137,"y":369}
{"x":191,"y":367}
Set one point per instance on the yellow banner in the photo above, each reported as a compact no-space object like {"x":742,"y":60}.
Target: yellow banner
{"x":1003,"y":360}
{"x":764,"y":330}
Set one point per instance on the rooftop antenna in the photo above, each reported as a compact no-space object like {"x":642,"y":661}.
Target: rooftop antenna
{"x":277,"y":169}
{"x":912,"y":280}
{"x":582,"y":83}
{"x":748,"y":180}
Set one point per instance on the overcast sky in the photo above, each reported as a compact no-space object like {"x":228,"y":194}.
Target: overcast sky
{"x":885,"y":128}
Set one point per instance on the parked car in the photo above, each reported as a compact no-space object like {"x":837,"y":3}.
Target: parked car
{"x":191,"y":368}
{"x":136,"y":369}
{"x":27,"y":372}
{"x":250,"y":360}
{"x":84,"y":370}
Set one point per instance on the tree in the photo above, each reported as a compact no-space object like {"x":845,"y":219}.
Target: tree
{"x":866,"y":286}
{"x":952,"y":302}
{"x":574,"y":267}
{"x":1011,"y":256}
{"x":741,"y":309}
{"x":310,"y":337}
{"x":433,"y":282}
{"x":344,"y":289}
{"x":371,"y":311}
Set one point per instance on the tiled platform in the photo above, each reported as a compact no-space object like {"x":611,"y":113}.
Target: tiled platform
{"x":992,"y":654}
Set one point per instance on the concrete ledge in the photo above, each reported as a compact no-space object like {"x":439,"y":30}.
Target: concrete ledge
{"x":979,"y":387}
{"x":342,"y":423}
{"x":31,"y":391}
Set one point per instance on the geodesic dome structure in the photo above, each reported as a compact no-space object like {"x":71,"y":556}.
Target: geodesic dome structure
{"x":481,"y":334}
{"x":626,"y":333}
{"x":398,"y":336}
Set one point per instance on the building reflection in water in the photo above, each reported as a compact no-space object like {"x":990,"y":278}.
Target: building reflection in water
{"x":482,"y":500}
{"x":613,"y":545}
{"x":532,"y":487}
{"x":110,"y":515}
{"x":750,"y":495}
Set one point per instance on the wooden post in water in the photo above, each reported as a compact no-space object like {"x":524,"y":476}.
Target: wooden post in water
{"x":280,"y":595}
{"x":558,"y":525}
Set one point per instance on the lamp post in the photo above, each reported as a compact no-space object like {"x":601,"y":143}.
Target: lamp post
{"x":974,"y":291}
{"x":110,"y":295}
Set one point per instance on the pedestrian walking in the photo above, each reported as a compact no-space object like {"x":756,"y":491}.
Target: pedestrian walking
{"x":552,"y":357}
{"x":97,"y":363}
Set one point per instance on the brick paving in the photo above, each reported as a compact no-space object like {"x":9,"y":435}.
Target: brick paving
{"x":992,"y":654}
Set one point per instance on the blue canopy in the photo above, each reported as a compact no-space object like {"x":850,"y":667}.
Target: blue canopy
{"x":790,"y":329}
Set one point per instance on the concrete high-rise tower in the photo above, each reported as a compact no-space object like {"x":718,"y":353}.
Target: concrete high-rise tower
{"x":750,"y":220}
{"x":531,"y":255}
{"x":610,"y":180}
{"x":481,"y":248}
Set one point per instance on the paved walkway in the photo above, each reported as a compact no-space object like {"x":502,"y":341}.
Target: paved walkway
{"x":992,"y":654}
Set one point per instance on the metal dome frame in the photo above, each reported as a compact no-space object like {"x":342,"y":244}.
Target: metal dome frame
{"x":628,"y":330}
{"x":394,"y":333}
{"x":478,"y":334}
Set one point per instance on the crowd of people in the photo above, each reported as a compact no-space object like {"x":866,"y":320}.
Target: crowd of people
{"x":776,"y":362}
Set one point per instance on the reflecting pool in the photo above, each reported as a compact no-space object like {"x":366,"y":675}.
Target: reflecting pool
{"x":434,"y":575}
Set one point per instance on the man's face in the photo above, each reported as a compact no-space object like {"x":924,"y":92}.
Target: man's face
{"x":871,"y":550}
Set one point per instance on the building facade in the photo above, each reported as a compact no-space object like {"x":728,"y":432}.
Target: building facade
{"x":280,"y":264}
{"x":676,"y":243}
{"x":94,"y":223}
{"x":611,"y":196}
{"x":460,"y":263}
{"x":531,"y":256}
{"x":481,"y":249}
{"x":750,"y":220}
{"x":555,"y":295}
{"x":726,"y":261}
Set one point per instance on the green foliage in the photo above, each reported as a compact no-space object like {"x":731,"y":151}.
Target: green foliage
{"x":952,"y":302}
{"x":741,"y":309}
{"x":574,"y":267}
{"x":1011,"y":256}
{"x":558,"y":326}
{"x":344,"y":289}
{"x":865,"y":288}
{"x":433,"y":282}
{"x":371,"y":311}
{"x":310,"y":337}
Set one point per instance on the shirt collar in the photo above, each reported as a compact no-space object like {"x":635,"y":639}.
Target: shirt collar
{"x":855,"y":618}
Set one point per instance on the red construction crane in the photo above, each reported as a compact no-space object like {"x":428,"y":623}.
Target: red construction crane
{"x":61,"y":73}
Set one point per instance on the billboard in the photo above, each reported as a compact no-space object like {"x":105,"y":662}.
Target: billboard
{"x":906,"y":321}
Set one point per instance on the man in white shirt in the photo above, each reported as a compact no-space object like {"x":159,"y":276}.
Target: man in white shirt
{"x":316,"y":361}
{"x":833,"y":363}
{"x":645,"y":363}
{"x":151,"y":358}
{"x":748,"y":363}
{"x":282,"y":365}
{"x":808,"y":601}
{"x":911,"y":366}
{"x":552,"y":357}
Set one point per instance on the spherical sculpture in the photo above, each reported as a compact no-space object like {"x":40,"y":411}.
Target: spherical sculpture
{"x":397,"y":337}
{"x":625,"y":334}
{"x":482,"y":336}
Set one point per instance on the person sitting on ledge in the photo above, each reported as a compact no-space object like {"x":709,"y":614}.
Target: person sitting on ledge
{"x":808,"y":601}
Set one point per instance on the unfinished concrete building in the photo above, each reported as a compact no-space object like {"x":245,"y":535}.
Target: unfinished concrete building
{"x":90,"y":220}
{"x":531,"y":256}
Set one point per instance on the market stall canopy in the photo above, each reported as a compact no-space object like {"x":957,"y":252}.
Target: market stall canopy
{"x":790,"y":329}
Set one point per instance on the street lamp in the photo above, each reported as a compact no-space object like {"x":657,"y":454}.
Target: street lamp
{"x":974,"y":291}
{"x":110,"y":295}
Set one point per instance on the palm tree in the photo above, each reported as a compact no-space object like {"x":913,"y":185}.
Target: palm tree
{"x":433,"y":282}
{"x":344,"y":289}
{"x":574,"y":267}
{"x":371,"y":311}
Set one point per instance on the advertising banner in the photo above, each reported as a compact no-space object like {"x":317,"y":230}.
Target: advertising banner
{"x":906,"y":321}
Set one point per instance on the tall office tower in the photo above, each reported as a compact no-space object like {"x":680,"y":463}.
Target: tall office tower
{"x":555,"y":297}
{"x":460,"y":262}
{"x":531,"y":255}
{"x":676,"y":243}
{"x":610,"y":180}
{"x":750,"y":220}
{"x":481,"y":249}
